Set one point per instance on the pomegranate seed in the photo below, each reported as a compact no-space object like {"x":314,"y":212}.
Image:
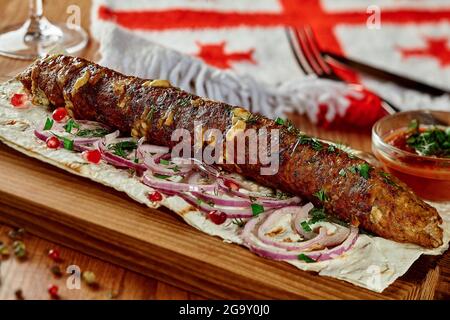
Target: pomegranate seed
{"x":231,"y":185}
{"x":217,"y":217}
{"x":53,"y":142}
{"x":53,"y":291}
{"x":54,"y":254}
{"x":93,"y":156}
{"x":18,"y":100}
{"x":155,"y":196}
{"x":59,"y":114}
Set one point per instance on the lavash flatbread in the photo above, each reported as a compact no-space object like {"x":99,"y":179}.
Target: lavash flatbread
{"x":373,"y":263}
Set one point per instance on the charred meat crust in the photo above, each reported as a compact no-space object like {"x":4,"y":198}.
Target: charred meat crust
{"x":383,"y":206}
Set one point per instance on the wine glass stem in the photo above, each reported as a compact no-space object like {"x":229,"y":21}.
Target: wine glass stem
{"x":35,"y":15}
{"x":36,"y":9}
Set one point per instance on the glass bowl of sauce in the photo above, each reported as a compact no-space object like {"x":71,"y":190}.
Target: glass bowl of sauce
{"x":415,"y":147}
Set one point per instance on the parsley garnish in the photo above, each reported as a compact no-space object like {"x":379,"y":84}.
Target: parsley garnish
{"x":388,"y":179}
{"x":238,"y":221}
{"x":48,"y":124}
{"x":279,"y":121}
{"x":121,"y":148}
{"x":100,"y":132}
{"x":317,"y":214}
{"x":321,"y":194}
{"x":363,"y":169}
{"x":257,"y":209}
{"x":70,"y":125}
{"x":431,"y":142}
{"x":305,"y":258}
{"x":160,"y":176}
{"x":331,"y":148}
{"x":68,"y":144}
{"x":150,"y":113}
{"x":342,"y":172}
{"x":164,"y":161}
{"x":313,"y":142}
{"x":305,"y":226}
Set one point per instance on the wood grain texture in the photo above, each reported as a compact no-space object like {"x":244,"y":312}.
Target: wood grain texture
{"x":152,"y":242}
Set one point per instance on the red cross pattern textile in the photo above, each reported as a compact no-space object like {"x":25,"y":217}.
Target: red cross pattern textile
{"x":244,"y":52}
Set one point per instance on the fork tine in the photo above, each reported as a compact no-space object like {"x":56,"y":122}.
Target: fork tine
{"x":312,"y":41}
{"x":301,"y":36}
{"x":304,"y":65}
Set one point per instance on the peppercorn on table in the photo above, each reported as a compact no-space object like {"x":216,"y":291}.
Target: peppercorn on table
{"x":34,"y":271}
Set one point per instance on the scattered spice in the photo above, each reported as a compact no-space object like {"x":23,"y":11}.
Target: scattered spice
{"x":4,"y":251}
{"x":56,"y":271}
{"x":16,"y":234}
{"x":19,"y":294}
{"x":19,"y":249}
{"x":89,"y":278}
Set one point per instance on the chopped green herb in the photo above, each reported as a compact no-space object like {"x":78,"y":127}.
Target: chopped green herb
{"x":364,"y":170}
{"x":164,"y":161}
{"x":317,"y":214}
{"x":321,"y":194}
{"x":342,"y":172}
{"x":48,"y":124}
{"x":331,"y":148}
{"x":305,"y":226}
{"x":68,"y":144}
{"x":388,"y":179}
{"x":279,"y":121}
{"x":316,"y":144}
{"x":239,"y":222}
{"x":100,"y":132}
{"x":150,"y":113}
{"x":257,"y":209}
{"x":160,"y":176}
{"x":352,"y":169}
{"x":70,"y":125}
{"x":121,"y":149}
{"x":136,"y":160}
{"x":431,"y":142}
{"x":305,"y":258}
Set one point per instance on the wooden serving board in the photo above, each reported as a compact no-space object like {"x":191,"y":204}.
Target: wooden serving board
{"x":102,"y":222}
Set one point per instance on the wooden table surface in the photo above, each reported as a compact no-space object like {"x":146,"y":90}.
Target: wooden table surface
{"x":33,"y":275}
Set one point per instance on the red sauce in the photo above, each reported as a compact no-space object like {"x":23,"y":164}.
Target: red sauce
{"x":429,"y":177}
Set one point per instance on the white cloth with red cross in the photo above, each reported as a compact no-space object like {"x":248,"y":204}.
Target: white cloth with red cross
{"x":240,"y":51}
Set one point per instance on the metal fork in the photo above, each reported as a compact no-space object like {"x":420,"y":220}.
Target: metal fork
{"x":311,"y":60}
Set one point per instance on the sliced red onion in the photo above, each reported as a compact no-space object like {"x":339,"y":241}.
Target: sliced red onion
{"x":143,"y":149}
{"x":322,"y":240}
{"x":115,"y":159}
{"x":266,"y":250}
{"x":80,"y":144}
{"x":205,"y":207}
{"x":265,"y":201}
{"x":163,"y":184}
{"x":168,"y":170}
{"x":221,"y":201}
